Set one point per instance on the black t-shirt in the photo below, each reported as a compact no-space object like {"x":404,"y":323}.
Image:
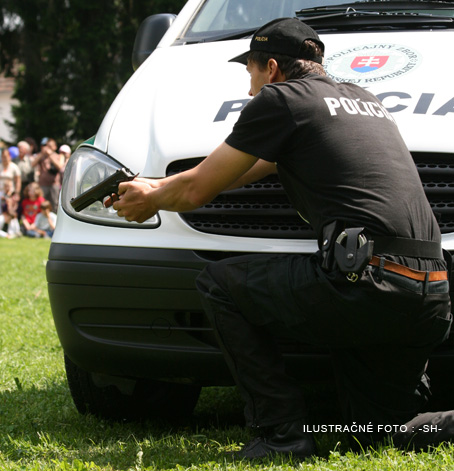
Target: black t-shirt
{"x":339,"y":156}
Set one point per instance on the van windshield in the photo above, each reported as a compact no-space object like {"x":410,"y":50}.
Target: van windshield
{"x":230,"y":19}
{"x":217,"y":17}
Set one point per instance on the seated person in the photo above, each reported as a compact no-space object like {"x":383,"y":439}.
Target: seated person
{"x":31,"y":205}
{"x":45,"y":222}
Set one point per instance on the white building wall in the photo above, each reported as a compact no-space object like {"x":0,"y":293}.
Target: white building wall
{"x":6,"y":101}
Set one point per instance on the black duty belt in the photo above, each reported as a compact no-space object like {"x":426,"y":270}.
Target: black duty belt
{"x":407,"y":247}
{"x":353,"y":250}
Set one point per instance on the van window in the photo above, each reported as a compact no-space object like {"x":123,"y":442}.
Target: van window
{"x":227,"y":16}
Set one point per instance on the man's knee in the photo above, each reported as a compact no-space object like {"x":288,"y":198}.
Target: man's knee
{"x":207,"y":279}
{"x":215,"y":276}
{"x":213,"y":289}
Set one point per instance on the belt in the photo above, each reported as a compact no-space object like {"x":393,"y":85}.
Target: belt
{"x":409,"y":272}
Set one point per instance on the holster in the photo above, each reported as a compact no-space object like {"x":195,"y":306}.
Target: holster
{"x":352,"y":250}
{"x":347,"y":249}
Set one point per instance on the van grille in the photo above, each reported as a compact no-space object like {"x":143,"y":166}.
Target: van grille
{"x":437,"y":175}
{"x":263,"y":210}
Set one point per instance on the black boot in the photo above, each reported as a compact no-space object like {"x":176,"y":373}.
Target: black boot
{"x":288,"y":439}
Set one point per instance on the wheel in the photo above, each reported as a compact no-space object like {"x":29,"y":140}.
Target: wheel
{"x":124,"y":399}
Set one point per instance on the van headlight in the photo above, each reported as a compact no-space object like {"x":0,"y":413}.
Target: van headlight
{"x":86,"y":168}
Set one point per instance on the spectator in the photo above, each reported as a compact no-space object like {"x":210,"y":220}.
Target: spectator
{"x":9,"y":171}
{"x":9,"y":226}
{"x":45,"y":222}
{"x":31,"y":205}
{"x":49,"y":165}
{"x":65,"y":151}
{"x":33,"y":145}
{"x":24,"y":162}
{"x":9,"y":199}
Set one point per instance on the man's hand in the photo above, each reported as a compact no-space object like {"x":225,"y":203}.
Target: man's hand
{"x":135,"y":201}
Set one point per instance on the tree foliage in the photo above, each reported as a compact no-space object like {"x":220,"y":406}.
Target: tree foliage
{"x":70,"y":58}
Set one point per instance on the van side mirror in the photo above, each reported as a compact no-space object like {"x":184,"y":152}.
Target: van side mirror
{"x":148,"y":36}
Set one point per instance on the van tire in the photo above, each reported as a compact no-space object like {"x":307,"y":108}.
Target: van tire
{"x":146,"y":400}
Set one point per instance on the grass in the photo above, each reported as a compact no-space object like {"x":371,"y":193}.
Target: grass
{"x":40,"y":428}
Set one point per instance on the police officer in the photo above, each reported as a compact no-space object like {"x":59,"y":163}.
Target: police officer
{"x":375,"y":294}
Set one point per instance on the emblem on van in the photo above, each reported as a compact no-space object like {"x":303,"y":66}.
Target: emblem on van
{"x":370,"y":63}
{"x":365,"y":64}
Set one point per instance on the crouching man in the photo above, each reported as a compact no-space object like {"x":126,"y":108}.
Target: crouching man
{"x":375,"y":294}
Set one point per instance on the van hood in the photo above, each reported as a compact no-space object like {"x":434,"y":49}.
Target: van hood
{"x":183,"y":101}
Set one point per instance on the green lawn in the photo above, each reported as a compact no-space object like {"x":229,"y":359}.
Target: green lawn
{"x":40,"y":428}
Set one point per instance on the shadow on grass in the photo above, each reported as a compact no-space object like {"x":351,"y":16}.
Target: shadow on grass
{"x":42,"y":424}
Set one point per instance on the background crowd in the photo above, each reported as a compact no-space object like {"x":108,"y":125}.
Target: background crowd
{"x":30,"y":183}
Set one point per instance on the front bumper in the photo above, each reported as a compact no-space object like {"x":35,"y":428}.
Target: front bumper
{"x":135,"y":312}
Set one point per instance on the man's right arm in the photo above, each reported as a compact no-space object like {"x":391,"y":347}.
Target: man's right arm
{"x":224,"y":168}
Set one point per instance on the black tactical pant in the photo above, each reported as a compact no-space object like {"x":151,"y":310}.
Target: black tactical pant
{"x":380,"y":331}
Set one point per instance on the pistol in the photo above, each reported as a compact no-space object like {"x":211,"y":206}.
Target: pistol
{"x":105,"y":188}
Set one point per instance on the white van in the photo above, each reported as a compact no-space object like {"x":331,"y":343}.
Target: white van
{"x":135,"y":338}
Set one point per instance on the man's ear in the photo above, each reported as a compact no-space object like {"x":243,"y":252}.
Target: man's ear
{"x":274,"y":72}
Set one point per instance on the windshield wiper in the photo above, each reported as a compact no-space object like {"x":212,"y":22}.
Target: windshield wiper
{"x":352,"y":12}
{"x":381,"y":5}
{"x":366,"y":14}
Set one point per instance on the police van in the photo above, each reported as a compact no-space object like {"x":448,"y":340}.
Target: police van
{"x":135,"y":338}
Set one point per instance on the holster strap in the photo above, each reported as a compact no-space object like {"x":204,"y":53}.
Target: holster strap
{"x":410,"y":272}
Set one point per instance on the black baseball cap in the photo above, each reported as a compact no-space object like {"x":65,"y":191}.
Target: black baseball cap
{"x":282,"y":36}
